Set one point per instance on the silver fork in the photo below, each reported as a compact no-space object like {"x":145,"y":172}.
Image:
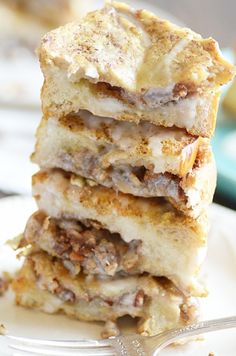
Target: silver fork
{"x":131,"y":345}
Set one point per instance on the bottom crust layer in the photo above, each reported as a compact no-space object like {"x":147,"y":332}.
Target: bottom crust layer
{"x":44,"y":283}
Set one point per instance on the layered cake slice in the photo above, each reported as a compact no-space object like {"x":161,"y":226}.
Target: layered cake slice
{"x":45,"y":284}
{"x":143,"y":160}
{"x":131,"y":65}
{"x":169,"y":244}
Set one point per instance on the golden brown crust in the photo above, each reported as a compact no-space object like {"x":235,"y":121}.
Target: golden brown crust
{"x":196,"y":114}
{"x":137,"y":41}
{"x":132,"y":66}
{"x":166,"y":234}
{"x":105,"y":128}
{"x":158,"y":307}
{"x":106,"y":200}
{"x":143,"y":160}
{"x":115,"y":143}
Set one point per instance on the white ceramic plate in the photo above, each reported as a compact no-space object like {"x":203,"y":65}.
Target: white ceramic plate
{"x":219,"y":270}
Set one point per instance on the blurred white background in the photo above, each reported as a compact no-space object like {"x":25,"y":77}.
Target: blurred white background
{"x":216,"y":18}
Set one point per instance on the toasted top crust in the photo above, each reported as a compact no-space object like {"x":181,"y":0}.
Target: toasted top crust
{"x":135,"y":50}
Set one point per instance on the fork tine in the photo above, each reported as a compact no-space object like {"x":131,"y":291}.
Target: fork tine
{"x":31,"y":350}
{"x":79,"y":344}
{"x":61,"y":347}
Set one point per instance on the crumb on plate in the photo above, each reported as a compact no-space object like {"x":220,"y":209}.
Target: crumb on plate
{"x":5,"y":280}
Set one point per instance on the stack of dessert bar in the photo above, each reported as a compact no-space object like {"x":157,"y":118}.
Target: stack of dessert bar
{"x":126,"y":170}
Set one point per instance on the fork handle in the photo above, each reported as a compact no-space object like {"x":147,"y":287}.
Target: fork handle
{"x":201,"y":327}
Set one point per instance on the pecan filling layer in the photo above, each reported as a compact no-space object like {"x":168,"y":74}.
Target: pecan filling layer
{"x":139,"y":181}
{"x":72,"y":289}
{"x":147,"y":99}
{"x":82,"y":245}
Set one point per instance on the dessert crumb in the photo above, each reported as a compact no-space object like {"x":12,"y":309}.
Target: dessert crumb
{"x":2,"y":329}
{"x":5,"y":280}
{"x":110,"y":329}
